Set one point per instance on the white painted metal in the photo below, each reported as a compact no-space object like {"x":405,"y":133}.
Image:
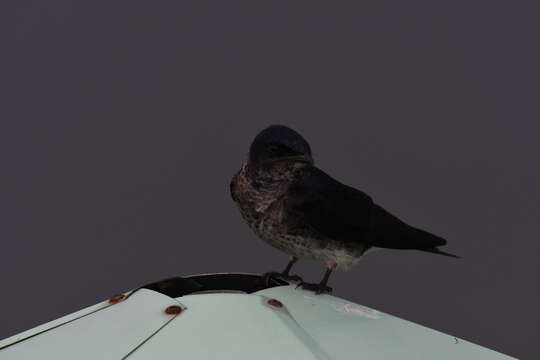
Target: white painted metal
{"x":231,"y":326}
{"x":237,"y":326}
{"x":350,"y":331}
{"x":109,"y":333}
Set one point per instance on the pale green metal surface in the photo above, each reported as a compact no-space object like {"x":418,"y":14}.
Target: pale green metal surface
{"x":51,"y":324}
{"x":237,"y":326}
{"x":350,"y":331}
{"x":231,"y":326}
{"x":112,"y":332}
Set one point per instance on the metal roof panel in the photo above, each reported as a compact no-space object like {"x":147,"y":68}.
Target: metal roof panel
{"x":205,"y":320}
{"x":104,"y":332}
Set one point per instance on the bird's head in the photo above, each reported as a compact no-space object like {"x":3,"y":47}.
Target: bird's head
{"x":279,"y":147}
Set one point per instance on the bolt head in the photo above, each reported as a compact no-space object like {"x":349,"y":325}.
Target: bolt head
{"x":117,"y":298}
{"x":173,"y":310}
{"x":274,"y":303}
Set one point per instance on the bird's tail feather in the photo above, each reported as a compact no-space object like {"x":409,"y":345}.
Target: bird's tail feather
{"x":435,"y":250}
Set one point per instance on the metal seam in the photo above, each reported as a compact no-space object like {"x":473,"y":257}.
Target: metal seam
{"x":54,"y":327}
{"x":149,"y":337}
{"x":64,"y":323}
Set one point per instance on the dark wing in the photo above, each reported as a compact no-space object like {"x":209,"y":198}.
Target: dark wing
{"x":334,"y":210}
{"x":343,"y":213}
{"x":387,"y":231}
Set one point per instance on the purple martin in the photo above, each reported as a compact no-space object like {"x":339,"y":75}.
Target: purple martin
{"x":300,"y":210}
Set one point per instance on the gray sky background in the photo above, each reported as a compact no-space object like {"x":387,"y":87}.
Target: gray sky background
{"x":122,"y":123}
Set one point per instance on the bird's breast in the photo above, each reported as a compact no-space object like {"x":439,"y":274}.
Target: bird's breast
{"x":262,"y":209}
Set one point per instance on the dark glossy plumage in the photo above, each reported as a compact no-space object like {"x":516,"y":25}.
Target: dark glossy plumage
{"x":304,"y":212}
{"x":343,"y":213}
{"x":335,"y":210}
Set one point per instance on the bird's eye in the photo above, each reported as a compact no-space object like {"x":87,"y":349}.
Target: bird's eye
{"x":275,"y":148}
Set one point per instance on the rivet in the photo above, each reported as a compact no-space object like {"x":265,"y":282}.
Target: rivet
{"x":274,"y":303}
{"x":117,"y":298}
{"x":173,"y":310}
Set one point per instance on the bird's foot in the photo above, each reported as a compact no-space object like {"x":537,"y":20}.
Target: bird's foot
{"x":317,"y":288}
{"x":267,"y":277}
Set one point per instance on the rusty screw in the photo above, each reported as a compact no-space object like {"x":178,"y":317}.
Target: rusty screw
{"x":274,"y":303}
{"x":117,"y":298}
{"x":173,"y":310}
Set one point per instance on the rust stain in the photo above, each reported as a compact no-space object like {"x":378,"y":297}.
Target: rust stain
{"x":274,"y":303}
{"x":117,"y":298}
{"x":173,"y":310}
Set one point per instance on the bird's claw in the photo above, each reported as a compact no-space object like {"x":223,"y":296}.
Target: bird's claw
{"x":317,"y":288}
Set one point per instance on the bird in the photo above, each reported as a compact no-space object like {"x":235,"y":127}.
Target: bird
{"x":299,"y":209}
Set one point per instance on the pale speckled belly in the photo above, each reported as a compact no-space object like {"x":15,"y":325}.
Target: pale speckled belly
{"x":326,"y":251}
{"x":262,"y":212}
